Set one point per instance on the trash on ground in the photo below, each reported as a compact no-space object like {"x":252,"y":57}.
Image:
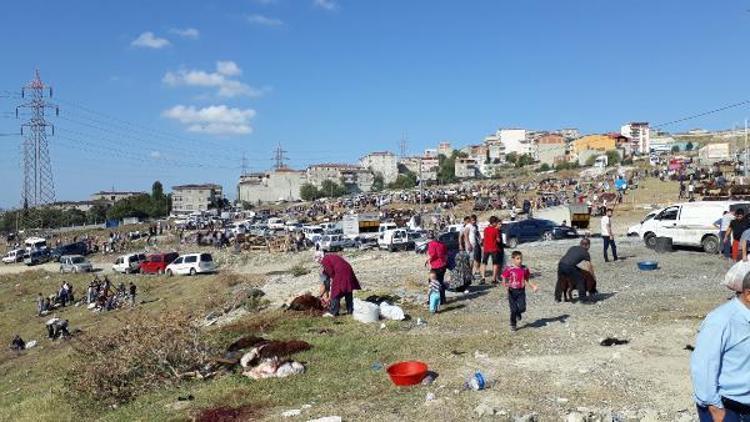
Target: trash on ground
{"x":327,"y":419}
{"x":612,"y":341}
{"x":476,"y":381}
{"x":392,"y":312}
{"x":689,"y":347}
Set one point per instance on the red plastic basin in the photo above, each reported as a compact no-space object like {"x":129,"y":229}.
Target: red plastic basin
{"x":407,"y":373}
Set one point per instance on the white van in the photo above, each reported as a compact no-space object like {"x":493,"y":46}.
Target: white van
{"x":275,"y":223}
{"x":395,"y":240}
{"x":127,"y":264}
{"x":689,"y":223}
{"x":192,"y":264}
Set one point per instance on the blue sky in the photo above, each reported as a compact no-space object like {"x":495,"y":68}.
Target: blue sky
{"x":180,"y":90}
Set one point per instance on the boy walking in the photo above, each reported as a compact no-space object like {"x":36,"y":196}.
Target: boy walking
{"x":515,"y":278}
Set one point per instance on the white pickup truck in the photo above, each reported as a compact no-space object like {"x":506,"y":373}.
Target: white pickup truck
{"x":689,"y":224}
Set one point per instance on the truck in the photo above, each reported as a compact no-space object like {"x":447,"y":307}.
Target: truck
{"x":689,"y":224}
{"x":364,"y":227}
{"x":576,"y":216}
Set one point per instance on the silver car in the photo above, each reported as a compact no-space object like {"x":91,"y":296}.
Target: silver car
{"x":74,"y":264}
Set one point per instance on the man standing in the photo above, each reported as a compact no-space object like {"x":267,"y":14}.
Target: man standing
{"x":723,"y":226}
{"x":492,"y":249}
{"x":736,"y":228}
{"x":721,"y":361}
{"x":474,"y":246}
{"x":607,"y":235}
{"x":568,"y":266}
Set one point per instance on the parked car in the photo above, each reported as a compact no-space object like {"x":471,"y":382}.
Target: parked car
{"x":534,"y":229}
{"x":74,"y":264}
{"x":36,"y":257}
{"x":127,"y":264}
{"x":157,"y":263}
{"x":13,"y":256}
{"x":77,"y":248}
{"x":191,"y":264}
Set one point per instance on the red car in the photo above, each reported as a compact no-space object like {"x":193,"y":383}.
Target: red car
{"x":157,"y":263}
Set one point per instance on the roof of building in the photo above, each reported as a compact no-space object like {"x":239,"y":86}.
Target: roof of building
{"x":114,"y":192}
{"x":388,"y":153}
{"x":335,"y":165}
{"x":550,"y":138}
{"x":197,"y":186}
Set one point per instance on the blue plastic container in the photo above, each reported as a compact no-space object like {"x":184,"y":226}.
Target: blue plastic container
{"x":648,"y":265}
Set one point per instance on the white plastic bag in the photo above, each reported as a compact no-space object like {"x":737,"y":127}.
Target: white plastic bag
{"x":735,"y":275}
{"x":391,"y":312}
{"x":365,"y":311}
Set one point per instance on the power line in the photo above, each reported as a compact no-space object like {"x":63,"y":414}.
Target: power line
{"x":705,"y":113}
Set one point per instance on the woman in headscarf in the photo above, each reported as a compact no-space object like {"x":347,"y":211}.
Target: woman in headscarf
{"x":343,"y":281}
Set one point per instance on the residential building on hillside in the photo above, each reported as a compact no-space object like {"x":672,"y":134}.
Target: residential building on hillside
{"x":551,"y":149}
{"x":465,"y":168}
{"x":515,"y":140}
{"x":384,"y":163}
{"x":411,"y":164}
{"x":583,"y":148}
{"x":430,"y":166}
{"x":662,"y":144}
{"x":431,"y":152}
{"x":354,"y":178}
{"x":495,"y":151}
{"x":639,"y":134}
{"x":189,"y":199}
{"x":713,"y":153}
{"x":479,"y":153}
{"x":282,"y":184}
{"x":569,"y":133}
{"x":82,"y":206}
{"x":445,"y":148}
{"x":114,"y":196}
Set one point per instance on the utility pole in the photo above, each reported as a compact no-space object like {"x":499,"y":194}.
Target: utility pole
{"x":403,"y":145}
{"x":244,"y":165}
{"x":38,"y":184}
{"x":279,"y":157}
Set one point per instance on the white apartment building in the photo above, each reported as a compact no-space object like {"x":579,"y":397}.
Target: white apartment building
{"x":279,"y":185}
{"x":639,"y":134}
{"x":513,"y":140}
{"x":384,"y":163}
{"x":445,"y":148}
{"x":188,"y":199}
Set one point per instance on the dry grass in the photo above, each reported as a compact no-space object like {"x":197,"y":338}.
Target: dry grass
{"x":148,"y":352}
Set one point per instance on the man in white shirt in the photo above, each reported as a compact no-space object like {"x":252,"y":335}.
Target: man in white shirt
{"x":608,"y":236}
{"x":473,"y":246}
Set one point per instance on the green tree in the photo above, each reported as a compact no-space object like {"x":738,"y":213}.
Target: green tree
{"x":675,"y":148}
{"x":544,"y":167}
{"x":406,"y":180}
{"x":378,"y":183}
{"x":331,"y":189}
{"x":511,"y":157}
{"x":524,"y":160}
{"x":447,"y":168}
{"x":689,"y":146}
{"x":613,"y":158}
{"x":308,"y":192}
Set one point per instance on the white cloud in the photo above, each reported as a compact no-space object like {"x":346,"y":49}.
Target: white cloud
{"x":326,"y":4}
{"x":155,"y":155}
{"x":228,"y":68}
{"x":221,"y":79}
{"x":191,"y":33}
{"x":149,"y":40}
{"x":257,"y":19}
{"x":214,"y":120}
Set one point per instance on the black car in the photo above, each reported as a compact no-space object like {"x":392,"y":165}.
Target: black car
{"x":533,"y":229}
{"x":77,"y":248}
{"x":450,"y":239}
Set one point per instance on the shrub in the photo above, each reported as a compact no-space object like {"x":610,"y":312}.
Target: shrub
{"x":299,"y":270}
{"x":147,"y":352}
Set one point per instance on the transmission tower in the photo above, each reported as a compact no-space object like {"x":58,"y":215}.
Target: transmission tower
{"x":38,"y":184}
{"x":279,"y":157}
{"x":403,"y":145}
